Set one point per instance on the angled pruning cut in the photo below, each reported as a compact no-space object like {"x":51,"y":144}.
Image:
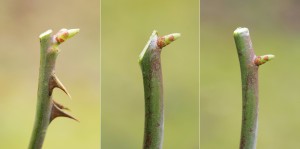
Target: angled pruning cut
{"x":150,"y":64}
{"x":47,"y":109}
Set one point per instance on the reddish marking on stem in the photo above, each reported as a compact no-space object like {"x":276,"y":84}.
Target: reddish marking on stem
{"x":61,"y":36}
{"x":171,"y":38}
{"x":161,"y":42}
{"x":242,"y":144}
{"x":257,"y":61}
{"x":157,"y":124}
{"x":59,"y":40}
{"x":148,"y":140}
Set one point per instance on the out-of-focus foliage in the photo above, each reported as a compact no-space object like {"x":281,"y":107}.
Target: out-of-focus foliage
{"x":126,"y":27}
{"x":274,"y":28}
{"x":77,"y":67}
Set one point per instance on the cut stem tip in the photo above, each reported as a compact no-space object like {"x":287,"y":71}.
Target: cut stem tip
{"x":241,"y":31}
{"x":48,"y":32}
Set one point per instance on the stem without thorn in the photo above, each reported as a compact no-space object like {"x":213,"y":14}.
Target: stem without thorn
{"x":153,"y":89}
{"x":249,"y":64}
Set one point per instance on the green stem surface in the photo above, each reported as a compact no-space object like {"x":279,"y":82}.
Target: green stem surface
{"x":249,"y":74}
{"x":47,"y":109}
{"x":48,"y":56}
{"x":153,"y":89}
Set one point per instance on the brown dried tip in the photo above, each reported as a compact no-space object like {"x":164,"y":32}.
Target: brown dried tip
{"x":56,"y":111}
{"x":54,"y":82}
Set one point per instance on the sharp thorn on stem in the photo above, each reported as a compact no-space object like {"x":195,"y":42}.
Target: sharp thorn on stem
{"x":55,"y":82}
{"x":57,"y":112}
{"x":60,"y":105}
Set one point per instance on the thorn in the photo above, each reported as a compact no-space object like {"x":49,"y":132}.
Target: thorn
{"x":54,"y":82}
{"x":259,"y":60}
{"x":64,"y":34}
{"x":60,"y":106}
{"x":165,"y":40}
{"x":57,"y":112}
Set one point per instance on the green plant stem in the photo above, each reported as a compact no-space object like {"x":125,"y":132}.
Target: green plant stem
{"x":44,"y":106}
{"x":153,"y":89}
{"x":46,"y":109}
{"x":249,"y":64}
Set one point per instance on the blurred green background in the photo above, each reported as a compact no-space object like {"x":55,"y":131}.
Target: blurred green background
{"x":274,"y":29}
{"x":126,"y":27}
{"x":78,"y":68}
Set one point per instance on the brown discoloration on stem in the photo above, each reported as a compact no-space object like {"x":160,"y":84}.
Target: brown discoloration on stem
{"x":61,"y":35}
{"x":242,"y":143}
{"x":152,"y":102}
{"x":250,"y":108}
{"x":164,"y":41}
{"x":157,"y":125}
{"x":156,"y":64}
{"x":148,"y":141}
{"x":257,"y":60}
{"x":161,"y":42}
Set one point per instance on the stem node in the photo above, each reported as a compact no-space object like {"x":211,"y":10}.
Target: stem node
{"x":47,"y":109}
{"x":249,"y":74}
{"x":259,"y":60}
{"x":153,"y":89}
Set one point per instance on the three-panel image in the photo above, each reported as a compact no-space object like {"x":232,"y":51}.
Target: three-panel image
{"x":113,"y":74}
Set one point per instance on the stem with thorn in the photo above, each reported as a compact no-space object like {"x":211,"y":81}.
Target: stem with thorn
{"x":149,"y":61}
{"x":249,"y":64}
{"x":47,"y":109}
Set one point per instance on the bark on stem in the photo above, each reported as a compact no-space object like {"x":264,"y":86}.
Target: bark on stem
{"x":249,"y":64}
{"x":153,"y":89}
{"x":47,"y":109}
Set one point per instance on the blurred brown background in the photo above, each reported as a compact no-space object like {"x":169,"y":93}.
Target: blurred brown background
{"x":275,"y":29}
{"x":21,"y":23}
